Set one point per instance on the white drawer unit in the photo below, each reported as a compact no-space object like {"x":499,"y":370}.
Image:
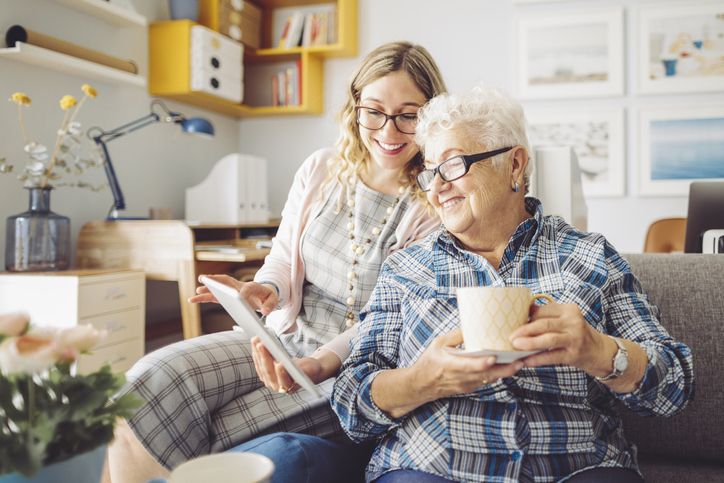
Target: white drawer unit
{"x":216,"y":64}
{"x":110,"y":300}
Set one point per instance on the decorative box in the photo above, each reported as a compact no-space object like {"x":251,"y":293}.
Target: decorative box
{"x":237,"y":19}
{"x":216,"y":64}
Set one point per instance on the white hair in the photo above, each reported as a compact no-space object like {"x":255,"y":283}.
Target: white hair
{"x":483,"y":118}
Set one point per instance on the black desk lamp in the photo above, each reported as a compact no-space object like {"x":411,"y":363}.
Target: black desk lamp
{"x":196,"y":125}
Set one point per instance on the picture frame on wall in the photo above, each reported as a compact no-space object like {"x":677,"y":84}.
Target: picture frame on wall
{"x":597,"y":138}
{"x":680,"y":47}
{"x":570,"y":54}
{"x":678,"y":145}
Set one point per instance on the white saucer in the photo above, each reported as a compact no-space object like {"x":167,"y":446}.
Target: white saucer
{"x":504,"y":357}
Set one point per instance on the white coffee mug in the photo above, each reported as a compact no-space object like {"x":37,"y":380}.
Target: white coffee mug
{"x":488,"y":315}
{"x":223,"y":468}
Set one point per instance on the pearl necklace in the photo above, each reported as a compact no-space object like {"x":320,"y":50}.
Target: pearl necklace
{"x":358,"y":250}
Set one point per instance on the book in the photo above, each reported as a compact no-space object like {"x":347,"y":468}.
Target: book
{"x":291,"y":87}
{"x":275,"y":90}
{"x":332,"y":33}
{"x":299,"y":81}
{"x":322,"y":30}
{"x":307,"y":30}
{"x":285,"y":32}
{"x":282,"y":88}
{"x":294,"y":35}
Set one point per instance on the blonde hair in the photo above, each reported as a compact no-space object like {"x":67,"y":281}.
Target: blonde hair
{"x":389,"y":58}
{"x":482,"y":118}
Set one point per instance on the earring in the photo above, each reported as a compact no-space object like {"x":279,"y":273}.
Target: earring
{"x":517,"y":188}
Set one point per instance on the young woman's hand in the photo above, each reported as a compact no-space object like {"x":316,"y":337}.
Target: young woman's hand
{"x":262,"y":297}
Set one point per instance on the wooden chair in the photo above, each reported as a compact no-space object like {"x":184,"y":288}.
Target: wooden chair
{"x":164,"y":249}
{"x":666,"y":235}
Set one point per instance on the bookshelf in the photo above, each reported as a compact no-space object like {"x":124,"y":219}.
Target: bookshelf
{"x":169,"y":63}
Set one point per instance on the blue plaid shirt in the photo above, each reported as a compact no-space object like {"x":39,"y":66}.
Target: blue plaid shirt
{"x":544,"y":423}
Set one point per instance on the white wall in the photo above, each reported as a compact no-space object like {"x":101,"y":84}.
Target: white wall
{"x":153,"y":165}
{"x":471,"y":40}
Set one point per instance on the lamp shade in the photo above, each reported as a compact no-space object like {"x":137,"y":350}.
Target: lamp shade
{"x":198,"y":125}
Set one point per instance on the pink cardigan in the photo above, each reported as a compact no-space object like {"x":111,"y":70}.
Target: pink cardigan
{"x":284,"y":265}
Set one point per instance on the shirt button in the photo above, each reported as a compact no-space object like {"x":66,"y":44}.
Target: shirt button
{"x":527,"y":225}
{"x":516,"y":456}
{"x":511,"y":255}
{"x":511,"y":407}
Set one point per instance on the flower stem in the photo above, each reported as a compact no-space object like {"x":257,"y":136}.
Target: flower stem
{"x":61,"y":136}
{"x":31,"y":402}
{"x":58,"y":141}
{"x":22,"y":124}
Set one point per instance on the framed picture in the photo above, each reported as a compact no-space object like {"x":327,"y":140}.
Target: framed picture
{"x":597,"y":137}
{"x":678,"y":145}
{"x":570,"y":54}
{"x":680,"y":48}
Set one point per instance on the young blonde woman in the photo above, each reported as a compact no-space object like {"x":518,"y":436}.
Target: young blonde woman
{"x":348,"y":209}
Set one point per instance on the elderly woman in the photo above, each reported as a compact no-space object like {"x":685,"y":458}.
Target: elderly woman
{"x":545,"y":418}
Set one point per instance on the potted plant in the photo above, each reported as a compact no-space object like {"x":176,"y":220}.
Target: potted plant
{"x":38,"y":239}
{"x":54,"y":423}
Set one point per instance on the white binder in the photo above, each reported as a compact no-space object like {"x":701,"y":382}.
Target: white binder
{"x":233,"y":193}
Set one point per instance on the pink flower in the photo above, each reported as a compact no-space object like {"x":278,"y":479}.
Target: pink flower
{"x":81,"y":338}
{"x":14,"y":324}
{"x":32,"y":353}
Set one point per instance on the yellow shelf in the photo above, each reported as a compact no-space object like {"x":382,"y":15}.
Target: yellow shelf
{"x":169,"y":62}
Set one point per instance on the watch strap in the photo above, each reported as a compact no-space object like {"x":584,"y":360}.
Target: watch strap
{"x":621,"y":350}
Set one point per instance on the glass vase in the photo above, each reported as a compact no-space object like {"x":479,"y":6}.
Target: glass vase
{"x":38,"y":239}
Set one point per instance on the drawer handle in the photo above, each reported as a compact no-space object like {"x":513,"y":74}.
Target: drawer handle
{"x":110,"y":330}
{"x":115,"y":294}
{"x":120,"y":359}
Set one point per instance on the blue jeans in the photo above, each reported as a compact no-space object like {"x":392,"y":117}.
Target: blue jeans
{"x":594,"y":475}
{"x":300,"y":458}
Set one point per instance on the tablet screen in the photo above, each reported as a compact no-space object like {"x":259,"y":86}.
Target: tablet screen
{"x":247,"y":319}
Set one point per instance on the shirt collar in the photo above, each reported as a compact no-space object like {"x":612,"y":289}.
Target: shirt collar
{"x":525,"y":234}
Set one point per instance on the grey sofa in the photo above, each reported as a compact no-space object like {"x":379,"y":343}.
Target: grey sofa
{"x":688,"y":447}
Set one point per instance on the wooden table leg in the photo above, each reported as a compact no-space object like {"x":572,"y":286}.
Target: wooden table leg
{"x":190,"y":313}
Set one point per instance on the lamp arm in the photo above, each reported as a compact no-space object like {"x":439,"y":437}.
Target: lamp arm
{"x":119,"y":203}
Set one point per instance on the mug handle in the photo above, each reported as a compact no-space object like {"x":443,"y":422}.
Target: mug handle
{"x":542,"y":296}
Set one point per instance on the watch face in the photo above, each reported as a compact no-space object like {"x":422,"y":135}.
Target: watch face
{"x":620,"y":363}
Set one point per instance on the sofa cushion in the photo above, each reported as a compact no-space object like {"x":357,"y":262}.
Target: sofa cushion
{"x":689,"y":291}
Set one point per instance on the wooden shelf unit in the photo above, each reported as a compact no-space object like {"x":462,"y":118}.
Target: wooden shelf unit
{"x":169,"y":62}
{"x":49,"y":59}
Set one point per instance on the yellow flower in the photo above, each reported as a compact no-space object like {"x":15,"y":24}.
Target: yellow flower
{"x":67,"y":102}
{"x":89,"y":90}
{"x":20,"y":98}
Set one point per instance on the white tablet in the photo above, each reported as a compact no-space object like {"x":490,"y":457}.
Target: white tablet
{"x":247,"y":318}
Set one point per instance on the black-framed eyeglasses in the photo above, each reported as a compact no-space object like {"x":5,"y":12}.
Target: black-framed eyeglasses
{"x":454,"y":168}
{"x":375,"y":120}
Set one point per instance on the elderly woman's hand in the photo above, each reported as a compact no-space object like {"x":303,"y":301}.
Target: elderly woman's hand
{"x":436,"y":374}
{"x":568,"y":338}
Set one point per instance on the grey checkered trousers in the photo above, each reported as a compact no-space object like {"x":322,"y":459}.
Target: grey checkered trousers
{"x":203,"y":394}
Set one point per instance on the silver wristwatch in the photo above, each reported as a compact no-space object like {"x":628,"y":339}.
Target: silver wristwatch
{"x":620,"y":361}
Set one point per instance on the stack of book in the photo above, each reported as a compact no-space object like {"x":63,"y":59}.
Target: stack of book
{"x":310,"y":29}
{"x":287,"y":86}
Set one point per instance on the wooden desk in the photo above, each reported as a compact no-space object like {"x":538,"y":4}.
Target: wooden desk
{"x":170,"y":250}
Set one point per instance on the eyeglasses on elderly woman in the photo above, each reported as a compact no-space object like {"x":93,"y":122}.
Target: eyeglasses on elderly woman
{"x":454,"y":168}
